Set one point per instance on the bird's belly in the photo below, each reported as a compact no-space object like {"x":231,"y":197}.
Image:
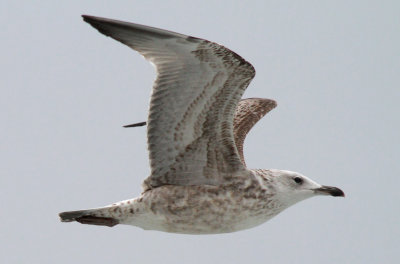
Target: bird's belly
{"x":199,"y":210}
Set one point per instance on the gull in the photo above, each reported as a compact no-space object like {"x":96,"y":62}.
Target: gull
{"x":199,"y":182}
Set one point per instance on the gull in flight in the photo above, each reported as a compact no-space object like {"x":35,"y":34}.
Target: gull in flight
{"x":197,"y":123}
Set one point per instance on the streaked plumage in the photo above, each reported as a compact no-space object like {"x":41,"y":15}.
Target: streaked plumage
{"x":196,"y":128}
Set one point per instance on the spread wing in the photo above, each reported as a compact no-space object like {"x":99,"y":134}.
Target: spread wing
{"x":248,"y":112}
{"x":198,"y":86}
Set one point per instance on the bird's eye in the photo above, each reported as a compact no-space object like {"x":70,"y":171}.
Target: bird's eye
{"x":298,"y":180}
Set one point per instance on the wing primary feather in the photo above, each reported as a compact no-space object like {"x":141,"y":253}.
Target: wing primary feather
{"x":198,"y":86}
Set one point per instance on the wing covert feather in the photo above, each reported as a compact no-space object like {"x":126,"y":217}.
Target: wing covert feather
{"x":198,"y":86}
{"x":248,"y":112}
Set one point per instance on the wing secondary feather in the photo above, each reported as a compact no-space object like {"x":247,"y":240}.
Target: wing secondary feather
{"x":198,"y":86}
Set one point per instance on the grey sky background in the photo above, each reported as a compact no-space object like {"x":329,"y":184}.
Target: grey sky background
{"x":66,"y":90}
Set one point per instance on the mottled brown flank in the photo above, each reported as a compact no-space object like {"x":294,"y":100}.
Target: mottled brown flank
{"x":204,"y":209}
{"x":219,"y":208}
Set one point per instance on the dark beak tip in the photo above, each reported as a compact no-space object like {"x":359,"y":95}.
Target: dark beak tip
{"x":339,"y":193}
{"x":333,"y":191}
{"x":336,"y":192}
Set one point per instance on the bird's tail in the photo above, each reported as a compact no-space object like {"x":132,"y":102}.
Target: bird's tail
{"x":89,"y":217}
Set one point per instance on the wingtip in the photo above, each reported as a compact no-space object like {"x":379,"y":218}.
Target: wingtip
{"x":271,"y":103}
{"x":86,"y":17}
{"x":93,"y":19}
{"x":89,"y":19}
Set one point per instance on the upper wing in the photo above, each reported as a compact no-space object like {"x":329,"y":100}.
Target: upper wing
{"x":198,"y":86}
{"x":248,"y":112}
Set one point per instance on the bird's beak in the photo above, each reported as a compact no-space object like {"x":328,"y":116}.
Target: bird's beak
{"x":329,"y":190}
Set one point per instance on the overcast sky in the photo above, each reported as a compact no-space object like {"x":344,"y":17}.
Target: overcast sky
{"x":66,"y":90}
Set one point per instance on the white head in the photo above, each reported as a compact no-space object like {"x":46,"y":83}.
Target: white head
{"x":292,"y":187}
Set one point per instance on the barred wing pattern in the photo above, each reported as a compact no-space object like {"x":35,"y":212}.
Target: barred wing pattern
{"x":198,"y":86}
{"x":248,"y":112}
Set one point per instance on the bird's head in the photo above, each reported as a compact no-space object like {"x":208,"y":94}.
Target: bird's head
{"x":293,"y":187}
